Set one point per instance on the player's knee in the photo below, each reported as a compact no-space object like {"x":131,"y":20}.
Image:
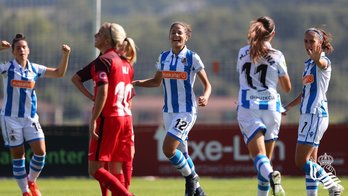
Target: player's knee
{"x":168,"y":152}
{"x":91,"y":171}
{"x":299,"y":163}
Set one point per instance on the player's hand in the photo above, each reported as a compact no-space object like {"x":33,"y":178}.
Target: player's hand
{"x":285,"y":110}
{"x":66,"y":49}
{"x":5,"y":44}
{"x":315,"y":53}
{"x":202,"y":101}
{"x":92,"y":128}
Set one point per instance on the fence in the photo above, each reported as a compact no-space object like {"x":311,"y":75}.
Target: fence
{"x":48,"y":24}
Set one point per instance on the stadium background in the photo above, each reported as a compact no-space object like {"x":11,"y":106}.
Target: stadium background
{"x":219,"y":30}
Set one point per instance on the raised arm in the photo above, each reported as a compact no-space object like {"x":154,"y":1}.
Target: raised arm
{"x":4,"y":45}
{"x":315,"y":55}
{"x":60,"y":70}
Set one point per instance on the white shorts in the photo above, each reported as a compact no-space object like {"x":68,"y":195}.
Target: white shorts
{"x":16,"y":131}
{"x":252,"y":121}
{"x":179,"y":124}
{"x":311,"y":129}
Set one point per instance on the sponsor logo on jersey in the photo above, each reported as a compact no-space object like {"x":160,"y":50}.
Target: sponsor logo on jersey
{"x":22,"y":84}
{"x":178,"y":75}
{"x":307,"y":79}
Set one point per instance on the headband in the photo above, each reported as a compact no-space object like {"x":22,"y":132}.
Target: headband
{"x":315,"y":31}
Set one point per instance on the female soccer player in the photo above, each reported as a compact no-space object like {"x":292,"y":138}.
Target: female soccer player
{"x":314,"y":114}
{"x":176,"y":70}
{"x":111,"y":120}
{"x":19,"y":120}
{"x":260,"y":69}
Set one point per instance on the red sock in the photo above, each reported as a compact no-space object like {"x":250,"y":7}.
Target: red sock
{"x":127,"y":168}
{"x":120,"y":177}
{"x":104,"y":190}
{"x":111,"y":182}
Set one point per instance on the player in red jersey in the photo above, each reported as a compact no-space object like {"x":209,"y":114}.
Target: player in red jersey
{"x":111,"y":132}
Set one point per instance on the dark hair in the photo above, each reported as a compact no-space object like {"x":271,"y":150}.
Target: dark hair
{"x":187,"y":27}
{"x":260,"y":30}
{"x":18,"y":38}
{"x":324,"y":36}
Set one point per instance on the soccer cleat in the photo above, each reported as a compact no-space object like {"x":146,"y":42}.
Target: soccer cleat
{"x":34,"y":189}
{"x":275,"y":181}
{"x":191,"y":185}
{"x":336,"y":190}
{"x":26,"y":194}
{"x":200,"y":192}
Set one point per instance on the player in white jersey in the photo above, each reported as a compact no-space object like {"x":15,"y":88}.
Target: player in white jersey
{"x":176,"y":70}
{"x":314,"y":114}
{"x":260,"y":69}
{"x":19,"y":119}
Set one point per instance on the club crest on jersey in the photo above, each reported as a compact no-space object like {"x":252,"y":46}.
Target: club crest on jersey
{"x":308,"y":79}
{"x":178,"y":75}
{"x":184,"y":61}
{"x":102,"y":76}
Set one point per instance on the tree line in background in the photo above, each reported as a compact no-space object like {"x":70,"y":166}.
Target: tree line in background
{"x":219,"y":30}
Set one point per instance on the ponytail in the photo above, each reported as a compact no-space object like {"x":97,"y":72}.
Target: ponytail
{"x":260,"y":31}
{"x":130,"y":52}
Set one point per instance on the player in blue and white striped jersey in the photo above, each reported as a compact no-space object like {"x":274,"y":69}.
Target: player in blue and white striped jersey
{"x":260,"y":69}
{"x":314,"y":114}
{"x":177,"y":70}
{"x":19,"y":119}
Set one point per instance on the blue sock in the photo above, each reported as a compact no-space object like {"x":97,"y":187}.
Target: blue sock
{"x":36,"y":165}
{"x":20,"y":174}
{"x":180,"y":163}
{"x":315,"y":172}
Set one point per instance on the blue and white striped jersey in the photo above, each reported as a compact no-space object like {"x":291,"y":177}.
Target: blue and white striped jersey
{"x":19,"y":88}
{"x":179,"y":73}
{"x":315,"y":85}
{"x":258,"y":82}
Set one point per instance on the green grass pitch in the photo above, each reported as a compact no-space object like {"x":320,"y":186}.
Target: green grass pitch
{"x":158,"y":186}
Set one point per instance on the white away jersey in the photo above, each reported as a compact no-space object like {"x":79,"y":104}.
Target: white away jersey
{"x":258,"y":82}
{"x":179,"y":73}
{"x":315,"y":85}
{"x":19,"y":88}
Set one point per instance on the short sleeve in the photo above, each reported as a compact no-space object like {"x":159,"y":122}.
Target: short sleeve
{"x":102,"y":71}
{"x":85,"y":73}
{"x":41,"y":70}
{"x":282,"y":68}
{"x":197,"y":63}
{"x":2,"y":67}
{"x":158,"y":63}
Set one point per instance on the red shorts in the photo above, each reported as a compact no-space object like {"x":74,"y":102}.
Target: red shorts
{"x":116,"y":138}
{"x":125,"y":150}
{"x":108,"y":130}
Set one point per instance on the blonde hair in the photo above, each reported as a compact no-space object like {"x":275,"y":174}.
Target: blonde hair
{"x":260,"y":31}
{"x":122,"y":43}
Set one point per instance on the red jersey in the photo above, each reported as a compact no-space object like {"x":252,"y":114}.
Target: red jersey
{"x":109,"y":68}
